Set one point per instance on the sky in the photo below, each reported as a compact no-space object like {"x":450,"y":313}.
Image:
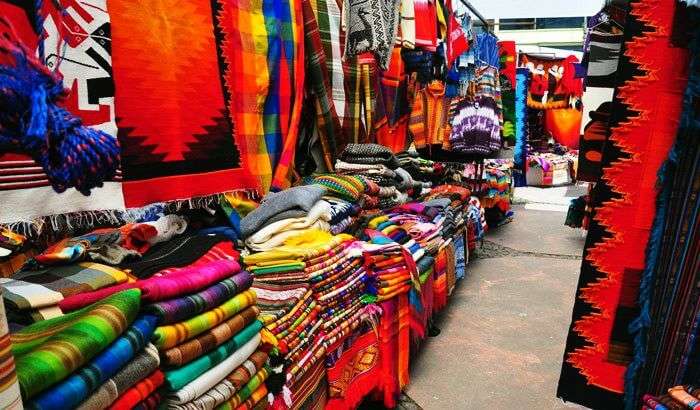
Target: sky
{"x":537,"y":8}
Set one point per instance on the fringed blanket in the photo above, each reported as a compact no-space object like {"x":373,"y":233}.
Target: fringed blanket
{"x":644,"y":123}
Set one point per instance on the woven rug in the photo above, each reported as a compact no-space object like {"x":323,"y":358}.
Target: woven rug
{"x":644,"y":122}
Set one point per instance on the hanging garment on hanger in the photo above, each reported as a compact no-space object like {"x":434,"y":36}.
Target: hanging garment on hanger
{"x":428,"y":122}
{"x":371,"y":25}
{"x":426,"y":24}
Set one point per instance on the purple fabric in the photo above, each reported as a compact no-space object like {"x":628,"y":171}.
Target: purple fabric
{"x":183,"y":308}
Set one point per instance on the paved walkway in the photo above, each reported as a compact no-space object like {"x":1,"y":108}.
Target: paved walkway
{"x":504,"y":329}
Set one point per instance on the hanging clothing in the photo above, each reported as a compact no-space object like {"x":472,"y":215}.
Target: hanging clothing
{"x":371,"y":26}
{"x":428,"y":123}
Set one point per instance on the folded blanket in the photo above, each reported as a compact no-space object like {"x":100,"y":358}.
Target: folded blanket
{"x":73,"y":390}
{"x":139,"y":368}
{"x":231,"y":384}
{"x":169,"y":336}
{"x":215,"y":375}
{"x":369,"y":154}
{"x":247,"y":391}
{"x":177,"y":252}
{"x":10,"y":395}
{"x":47,"y":287}
{"x":177,"y":310}
{"x":48,"y":351}
{"x":139,"y":392}
{"x":178,"y":378}
{"x":208,"y":341}
{"x":300,"y":197}
{"x":177,"y":283}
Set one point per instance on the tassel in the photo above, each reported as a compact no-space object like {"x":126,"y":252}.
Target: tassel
{"x":268,"y":337}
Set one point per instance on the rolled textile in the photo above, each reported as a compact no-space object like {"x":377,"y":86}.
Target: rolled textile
{"x":46,"y":287}
{"x":178,"y":378}
{"x":247,"y":391}
{"x":10,"y":396}
{"x":169,"y":336}
{"x":139,"y":392}
{"x":208,"y":341}
{"x":143,"y":364}
{"x":229,"y":386}
{"x":73,"y":390}
{"x":215,"y":375}
{"x":49,"y":351}
{"x":180,"y":309}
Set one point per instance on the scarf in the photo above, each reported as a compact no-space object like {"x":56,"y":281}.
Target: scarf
{"x":137,"y":369}
{"x":208,"y":341}
{"x":48,"y":351}
{"x":72,"y":391}
{"x":177,"y":310}
{"x":178,"y":378}
{"x":169,"y":336}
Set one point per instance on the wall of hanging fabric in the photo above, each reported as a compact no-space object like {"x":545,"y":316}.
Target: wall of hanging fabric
{"x":643,"y":127}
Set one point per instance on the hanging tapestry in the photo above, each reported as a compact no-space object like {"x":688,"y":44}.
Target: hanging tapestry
{"x":506,"y":51}
{"x":644,"y":120}
{"x":77,"y":45}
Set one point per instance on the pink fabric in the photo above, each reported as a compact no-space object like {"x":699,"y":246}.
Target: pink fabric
{"x":177,"y":283}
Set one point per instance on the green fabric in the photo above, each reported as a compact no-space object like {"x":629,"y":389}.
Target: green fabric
{"x":178,"y":378}
{"x":290,"y":267}
{"x":48,"y":351}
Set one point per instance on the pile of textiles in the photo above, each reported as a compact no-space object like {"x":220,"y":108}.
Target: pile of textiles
{"x":497,"y":191}
{"x":386,"y":183}
{"x":62,"y":279}
{"x":549,"y":169}
{"x":284,"y":214}
{"x":310,"y":290}
{"x":344,"y":194}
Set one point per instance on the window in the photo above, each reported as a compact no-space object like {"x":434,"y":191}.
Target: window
{"x":516,"y":24}
{"x":560,"y":22}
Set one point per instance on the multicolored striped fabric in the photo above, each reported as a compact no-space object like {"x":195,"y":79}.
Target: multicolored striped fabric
{"x":47,"y":287}
{"x":10,"y":395}
{"x":178,"y":378}
{"x":169,"y":336}
{"x":139,"y":392}
{"x":138,"y":369}
{"x":207,"y":341}
{"x":247,"y":391}
{"x":72,"y":391}
{"x":48,"y":351}
{"x":232,"y":384}
{"x":176,"y":310}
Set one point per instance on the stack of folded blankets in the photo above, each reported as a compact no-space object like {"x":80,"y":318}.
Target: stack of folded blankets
{"x":309,"y":316}
{"x":387,"y":184}
{"x":284,"y":214}
{"x":345,"y":194}
{"x":676,"y":398}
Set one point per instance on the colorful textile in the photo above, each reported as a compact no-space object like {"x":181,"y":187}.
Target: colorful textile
{"x":240,"y":400}
{"x":47,"y":287}
{"x":48,"y":351}
{"x":355,"y":374}
{"x":179,"y":282}
{"x":73,"y":390}
{"x":169,"y":336}
{"x":229,"y":386}
{"x":370,"y":26}
{"x":213,"y":376}
{"x":206,"y":342}
{"x":180,"y":309}
{"x":140,"y":391}
{"x":137,"y":369}
{"x":178,"y":378}
{"x":9,"y":388}
{"x":199,"y":154}
{"x":599,"y":346}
